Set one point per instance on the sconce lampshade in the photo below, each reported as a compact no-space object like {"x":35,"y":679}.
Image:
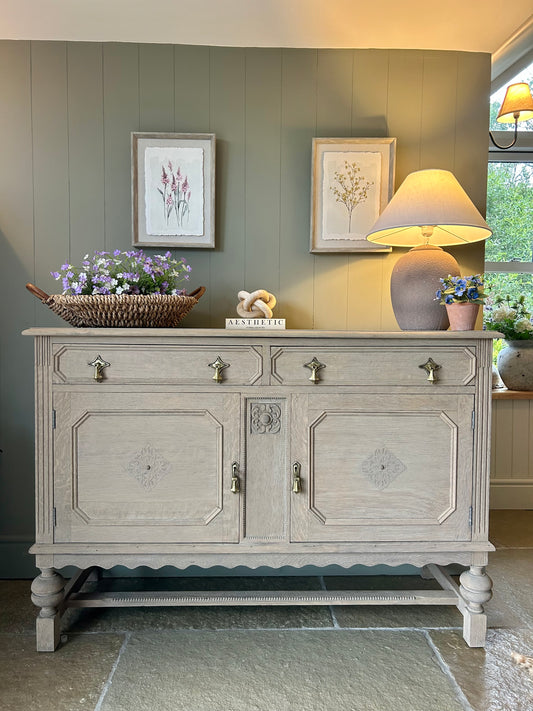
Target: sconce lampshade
{"x":430,"y":210}
{"x":517,"y":104}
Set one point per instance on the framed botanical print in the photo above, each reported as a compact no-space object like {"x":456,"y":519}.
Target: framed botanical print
{"x":352,"y":182}
{"x":173,"y":189}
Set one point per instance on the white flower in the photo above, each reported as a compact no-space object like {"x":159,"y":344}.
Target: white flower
{"x":119,"y":290}
{"x":502,"y":312}
{"x":522,"y":325}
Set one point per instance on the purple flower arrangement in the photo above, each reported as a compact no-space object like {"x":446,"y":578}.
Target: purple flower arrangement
{"x":119,"y":272}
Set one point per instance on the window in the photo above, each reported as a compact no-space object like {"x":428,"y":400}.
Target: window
{"x":509,"y":252}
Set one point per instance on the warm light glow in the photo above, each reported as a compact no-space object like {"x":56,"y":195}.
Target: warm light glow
{"x":429,"y":198}
{"x":517,"y":104}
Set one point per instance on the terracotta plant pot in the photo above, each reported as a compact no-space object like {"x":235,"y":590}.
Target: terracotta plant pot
{"x":462,"y":315}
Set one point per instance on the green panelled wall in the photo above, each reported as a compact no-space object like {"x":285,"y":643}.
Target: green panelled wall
{"x":67,"y":113}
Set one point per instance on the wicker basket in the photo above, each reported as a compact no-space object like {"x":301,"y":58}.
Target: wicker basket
{"x":120,"y":310}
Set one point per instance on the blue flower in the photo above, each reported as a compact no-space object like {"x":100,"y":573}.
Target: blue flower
{"x":449,"y":299}
{"x":472,"y":293}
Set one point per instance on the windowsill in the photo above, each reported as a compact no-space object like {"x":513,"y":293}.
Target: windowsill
{"x":504,"y":394}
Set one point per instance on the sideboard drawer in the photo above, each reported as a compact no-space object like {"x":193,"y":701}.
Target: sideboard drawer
{"x":390,"y":365}
{"x":157,"y":363}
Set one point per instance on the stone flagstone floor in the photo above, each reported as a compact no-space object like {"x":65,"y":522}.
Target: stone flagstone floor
{"x":276,"y":659}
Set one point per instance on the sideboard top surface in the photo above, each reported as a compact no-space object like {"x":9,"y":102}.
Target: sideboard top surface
{"x":182,"y":333}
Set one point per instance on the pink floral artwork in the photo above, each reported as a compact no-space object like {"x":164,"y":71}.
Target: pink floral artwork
{"x":174,"y":190}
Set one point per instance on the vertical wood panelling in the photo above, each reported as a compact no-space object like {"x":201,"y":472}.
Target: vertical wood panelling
{"x":156,"y":87}
{"x":121,"y":117}
{"x":370,"y":93}
{"x":298,"y":126}
{"x":369,"y":119}
{"x":530,"y":439}
{"x":334,"y":119}
{"x":520,"y":432}
{"x":503,"y":424}
{"x":511,"y":470}
{"x":192,"y":109}
{"x":228,"y":109}
{"x":192,"y":114}
{"x":439,"y":95}
{"x":50,"y":163}
{"x":85,"y":148}
{"x":262,"y":148}
{"x":404,"y":108}
{"x":19,"y":308}
{"x":470,"y":167}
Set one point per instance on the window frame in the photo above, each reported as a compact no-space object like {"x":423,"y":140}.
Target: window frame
{"x":521,"y":152}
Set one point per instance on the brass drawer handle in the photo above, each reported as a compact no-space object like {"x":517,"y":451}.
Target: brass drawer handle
{"x":99,"y":364}
{"x":314,"y":365}
{"x":235,"y":483}
{"x":296,"y":478}
{"x":431,"y":368}
{"x":218,"y":366}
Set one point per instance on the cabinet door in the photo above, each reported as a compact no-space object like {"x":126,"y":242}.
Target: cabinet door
{"x":150,"y":467}
{"x":382,"y":468}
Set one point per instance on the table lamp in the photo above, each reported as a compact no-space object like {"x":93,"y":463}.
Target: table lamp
{"x":429,"y":211}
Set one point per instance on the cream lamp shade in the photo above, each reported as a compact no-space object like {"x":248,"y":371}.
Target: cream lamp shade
{"x":432,"y":198}
{"x":430,"y":210}
{"x":517,"y":104}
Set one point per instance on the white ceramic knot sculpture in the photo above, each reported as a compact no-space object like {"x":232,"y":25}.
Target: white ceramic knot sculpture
{"x":255,"y":304}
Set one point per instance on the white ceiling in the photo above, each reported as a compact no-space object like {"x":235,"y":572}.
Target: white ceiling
{"x":470,"y":25}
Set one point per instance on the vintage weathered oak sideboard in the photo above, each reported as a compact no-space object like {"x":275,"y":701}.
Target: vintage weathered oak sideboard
{"x":203,"y":447}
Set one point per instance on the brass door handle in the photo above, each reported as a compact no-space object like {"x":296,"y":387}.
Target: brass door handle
{"x":235,"y":483}
{"x":99,"y":364}
{"x":218,"y":365}
{"x":431,"y":368}
{"x":314,"y":365}
{"x":296,"y":478}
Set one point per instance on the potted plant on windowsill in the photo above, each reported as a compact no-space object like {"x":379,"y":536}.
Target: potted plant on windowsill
{"x":462,"y":297}
{"x":122,"y":289}
{"x":515,"y":361}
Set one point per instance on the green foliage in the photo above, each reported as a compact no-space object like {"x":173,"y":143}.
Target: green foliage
{"x":511,"y":318}
{"x":510,"y":216}
{"x":510,"y":212}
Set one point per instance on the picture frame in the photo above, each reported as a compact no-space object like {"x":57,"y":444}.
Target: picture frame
{"x":352,"y":181}
{"x":173,"y":189}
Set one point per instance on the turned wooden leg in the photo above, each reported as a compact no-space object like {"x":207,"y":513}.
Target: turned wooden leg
{"x":47,"y":593}
{"x":476,"y":590}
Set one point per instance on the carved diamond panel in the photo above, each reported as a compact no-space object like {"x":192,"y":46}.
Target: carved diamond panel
{"x":148,"y":467}
{"x":382,"y":467}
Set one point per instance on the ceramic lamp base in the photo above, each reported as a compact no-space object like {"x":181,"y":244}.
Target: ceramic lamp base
{"x":414,"y":281}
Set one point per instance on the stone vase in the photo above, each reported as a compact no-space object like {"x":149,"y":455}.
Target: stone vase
{"x":515,"y":365}
{"x":414,"y":280}
{"x":462,"y":315}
